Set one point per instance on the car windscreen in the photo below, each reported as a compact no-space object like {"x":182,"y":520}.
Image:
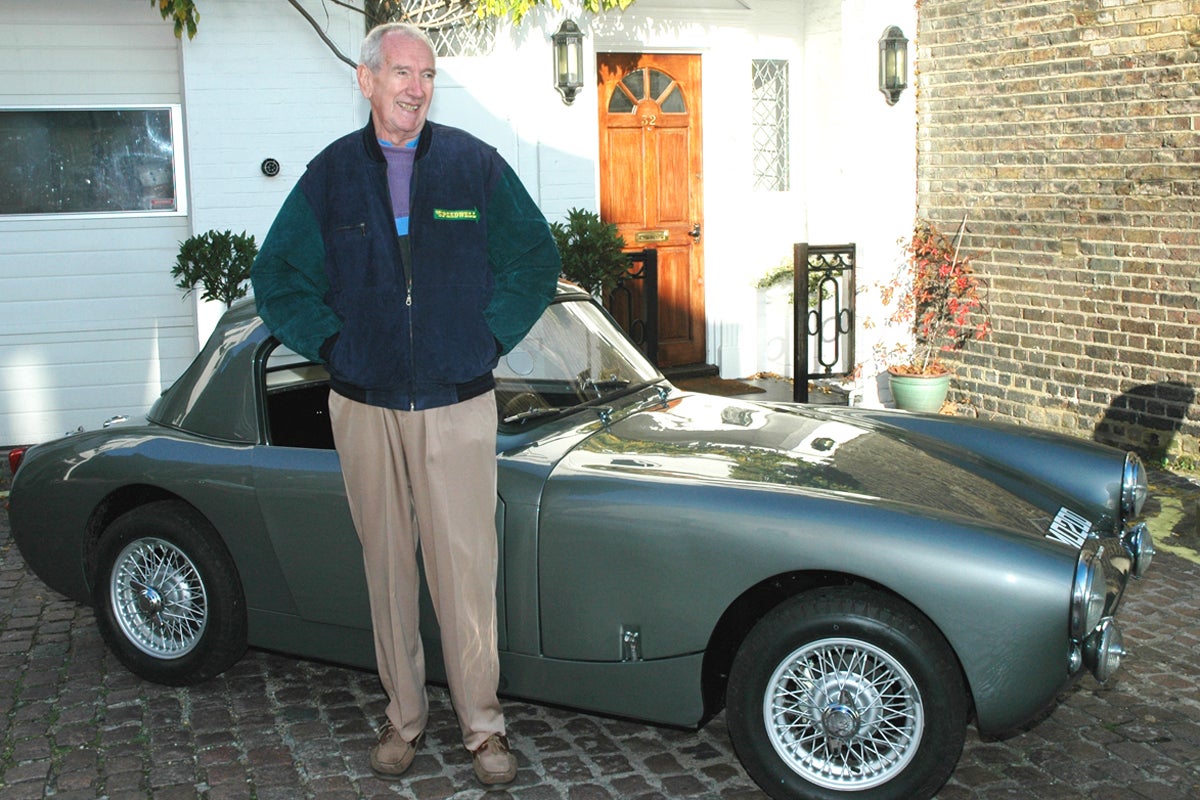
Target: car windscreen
{"x":574,"y":356}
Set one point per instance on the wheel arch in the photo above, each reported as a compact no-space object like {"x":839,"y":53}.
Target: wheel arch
{"x":748,"y":608}
{"x":116,"y":503}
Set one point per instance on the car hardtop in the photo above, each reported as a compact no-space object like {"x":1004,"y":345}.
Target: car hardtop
{"x":217,"y":396}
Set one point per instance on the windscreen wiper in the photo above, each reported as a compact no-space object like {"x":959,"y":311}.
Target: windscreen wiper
{"x":539,"y":411}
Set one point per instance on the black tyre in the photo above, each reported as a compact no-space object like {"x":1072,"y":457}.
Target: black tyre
{"x":168,"y":598}
{"x":846,"y":692}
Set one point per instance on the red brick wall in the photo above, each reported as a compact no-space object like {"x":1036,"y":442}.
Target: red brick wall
{"x":1067,"y":133}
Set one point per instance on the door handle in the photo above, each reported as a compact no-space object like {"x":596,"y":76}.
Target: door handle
{"x":695,"y":232}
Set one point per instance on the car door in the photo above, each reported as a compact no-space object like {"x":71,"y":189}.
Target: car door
{"x":303,"y":504}
{"x":302,"y":499}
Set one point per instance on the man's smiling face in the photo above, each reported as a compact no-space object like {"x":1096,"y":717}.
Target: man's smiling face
{"x":401,"y":89}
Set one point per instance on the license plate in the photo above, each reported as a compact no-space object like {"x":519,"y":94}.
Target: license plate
{"x":1069,"y":528}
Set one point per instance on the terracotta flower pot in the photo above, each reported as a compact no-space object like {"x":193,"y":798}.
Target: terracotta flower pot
{"x":919,"y":392}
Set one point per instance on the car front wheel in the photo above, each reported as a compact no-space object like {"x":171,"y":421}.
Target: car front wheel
{"x":168,"y":599}
{"x":846,"y":692}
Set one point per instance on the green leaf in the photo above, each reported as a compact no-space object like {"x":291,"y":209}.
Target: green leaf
{"x":182,"y":13}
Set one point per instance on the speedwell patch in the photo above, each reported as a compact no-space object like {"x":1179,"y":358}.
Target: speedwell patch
{"x":457,"y":214}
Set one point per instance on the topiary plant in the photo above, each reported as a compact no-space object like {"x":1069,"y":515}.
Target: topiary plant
{"x":592,"y":251}
{"x":219,"y":263}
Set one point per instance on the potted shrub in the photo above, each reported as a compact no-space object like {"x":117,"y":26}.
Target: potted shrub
{"x":592,"y":251}
{"x":940,"y":299}
{"x":219,"y":263}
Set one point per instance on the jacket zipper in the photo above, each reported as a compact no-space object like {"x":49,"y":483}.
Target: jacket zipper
{"x":406,"y":267}
{"x":408,"y":301}
{"x":405,"y":260}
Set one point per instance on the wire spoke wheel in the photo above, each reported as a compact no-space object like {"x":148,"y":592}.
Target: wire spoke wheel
{"x":158,"y":598}
{"x":846,"y":692}
{"x":843,"y":714}
{"x":168,"y":597}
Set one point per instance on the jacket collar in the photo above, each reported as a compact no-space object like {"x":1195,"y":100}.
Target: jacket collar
{"x":375,"y":150}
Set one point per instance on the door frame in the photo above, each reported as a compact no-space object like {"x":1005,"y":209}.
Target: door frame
{"x":682,"y":289}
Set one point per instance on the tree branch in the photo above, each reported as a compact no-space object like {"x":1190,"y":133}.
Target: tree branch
{"x":324,"y":37}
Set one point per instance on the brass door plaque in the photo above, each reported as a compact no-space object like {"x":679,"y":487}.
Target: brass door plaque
{"x":642,"y":237}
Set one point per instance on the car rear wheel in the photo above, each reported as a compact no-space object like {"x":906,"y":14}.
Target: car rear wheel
{"x":169,"y":602}
{"x":846,"y":692}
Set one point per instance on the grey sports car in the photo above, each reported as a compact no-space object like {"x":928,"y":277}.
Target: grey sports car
{"x":853,"y":586}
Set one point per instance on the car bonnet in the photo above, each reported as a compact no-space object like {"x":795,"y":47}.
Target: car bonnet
{"x":701,"y":438}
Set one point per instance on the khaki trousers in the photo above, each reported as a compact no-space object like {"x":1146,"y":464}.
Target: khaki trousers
{"x":428,"y":477}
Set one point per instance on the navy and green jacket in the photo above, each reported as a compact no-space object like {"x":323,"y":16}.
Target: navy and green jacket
{"x":406,"y":322}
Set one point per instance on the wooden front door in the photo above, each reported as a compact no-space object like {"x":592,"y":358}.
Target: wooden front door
{"x":650,"y":183}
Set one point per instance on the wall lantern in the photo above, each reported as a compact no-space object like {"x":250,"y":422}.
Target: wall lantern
{"x":893,"y":64}
{"x":568,"y":60}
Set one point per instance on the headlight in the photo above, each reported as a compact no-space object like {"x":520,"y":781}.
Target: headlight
{"x":1133,"y":487}
{"x":1088,"y":594}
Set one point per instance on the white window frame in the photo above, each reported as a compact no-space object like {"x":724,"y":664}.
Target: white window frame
{"x":179,"y":169}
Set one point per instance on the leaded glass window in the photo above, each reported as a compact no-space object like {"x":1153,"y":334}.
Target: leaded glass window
{"x":769,"y":120}
{"x":474,"y":38}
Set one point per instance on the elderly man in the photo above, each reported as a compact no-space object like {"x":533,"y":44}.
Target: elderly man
{"x":408,"y":258}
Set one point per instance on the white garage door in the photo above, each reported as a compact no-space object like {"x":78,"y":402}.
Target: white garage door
{"x":92,"y":210}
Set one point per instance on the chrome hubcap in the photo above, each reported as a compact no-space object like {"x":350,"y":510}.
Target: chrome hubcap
{"x":158,"y":598}
{"x":840,"y":721}
{"x":843,"y":714}
{"x":149,"y":602}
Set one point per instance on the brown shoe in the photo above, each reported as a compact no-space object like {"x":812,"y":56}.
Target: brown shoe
{"x":391,"y":757}
{"x":494,"y":762}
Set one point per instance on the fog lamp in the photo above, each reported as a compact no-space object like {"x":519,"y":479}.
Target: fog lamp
{"x":1103,"y":650}
{"x":1140,"y":545}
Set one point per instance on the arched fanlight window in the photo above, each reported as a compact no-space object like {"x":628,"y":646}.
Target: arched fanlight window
{"x":645,"y":84}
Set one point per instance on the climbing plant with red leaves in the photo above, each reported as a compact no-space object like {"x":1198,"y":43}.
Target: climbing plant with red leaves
{"x":938,"y":294}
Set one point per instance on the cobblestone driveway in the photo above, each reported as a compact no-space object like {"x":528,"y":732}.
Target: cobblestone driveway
{"x":75,"y":724}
